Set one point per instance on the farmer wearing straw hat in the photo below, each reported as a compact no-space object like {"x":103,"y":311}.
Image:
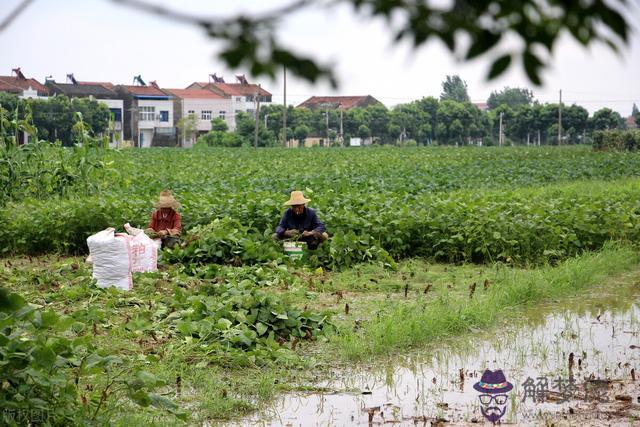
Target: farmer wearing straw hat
{"x":300,"y":222}
{"x":165,"y":221}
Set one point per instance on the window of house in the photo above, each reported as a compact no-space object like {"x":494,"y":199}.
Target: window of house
{"x":205,"y":115}
{"x":116,"y":114}
{"x":221,"y":114}
{"x":147,"y":113}
{"x":238,"y":99}
{"x":191,"y":113}
{"x":164,"y":116}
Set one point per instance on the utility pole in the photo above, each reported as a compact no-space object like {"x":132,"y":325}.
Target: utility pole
{"x":327,"y":121}
{"x":560,"y":120}
{"x":284,"y":112}
{"x":341,"y":128}
{"x":255,"y":136}
{"x":184,"y":121}
{"x":500,"y":137}
{"x":132,"y":110}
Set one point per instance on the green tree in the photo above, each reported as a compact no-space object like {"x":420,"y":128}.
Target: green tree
{"x":454,"y":88}
{"x":94,"y":113}
{"x":220,"y":125}
{"x":53,"y":118}
{"x":187,"y":128}
{"x":448,"y":112}
{"x":429,"y":106}
{"x":364,"y":132}
{"x":575,"y":119}
{"x":521,"y":129}
{"x":405,"y":121}
{"x":456,"y":130}
{"x":635,"y":113}
{"x":354,"y":118}
{"x":250,"y":41}
{"x":513,"y":97}
{"x":301,"y":132}
{"x":378,"y":122}
{"x":606,"y":118}
{"x":10,"y":102}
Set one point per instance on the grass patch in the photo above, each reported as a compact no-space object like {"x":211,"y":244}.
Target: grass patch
{"x":453,"y":310}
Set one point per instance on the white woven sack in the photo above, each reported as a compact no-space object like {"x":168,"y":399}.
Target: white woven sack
{"x":144,"y":253}
{"x":111,"y":257}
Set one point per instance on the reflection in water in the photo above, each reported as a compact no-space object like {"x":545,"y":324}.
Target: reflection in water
{"x":598,"y":334}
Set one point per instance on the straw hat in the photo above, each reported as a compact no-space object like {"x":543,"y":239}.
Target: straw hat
{"x":297,"y":198}
{"x":166,"y":200}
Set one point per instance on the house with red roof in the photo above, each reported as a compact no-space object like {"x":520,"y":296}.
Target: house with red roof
{"x":242,"y":94}
{"x":204,"y":105}
{"x":148,"y":114}
{"x":631,"y":122}
{"x":100,"y":91}
{"x":482,"y":106}
{"x":24,"y":87}
{"x":339,"y":102}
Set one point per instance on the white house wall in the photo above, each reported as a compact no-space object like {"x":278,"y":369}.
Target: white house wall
{"x":197,"y":105}
{"x":31,"y":94}
{"x":160,"y":105}
{"x":112,"y":103}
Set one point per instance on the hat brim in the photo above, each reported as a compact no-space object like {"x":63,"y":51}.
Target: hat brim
{"x":296,"y":202}
{"x":172,"y":203}
{"x":504,"y":389}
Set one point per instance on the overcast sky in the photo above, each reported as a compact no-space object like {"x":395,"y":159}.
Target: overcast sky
{"x":99,"y":40}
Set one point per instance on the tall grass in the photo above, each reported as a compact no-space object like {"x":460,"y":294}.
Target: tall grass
{"x":400,"y":325}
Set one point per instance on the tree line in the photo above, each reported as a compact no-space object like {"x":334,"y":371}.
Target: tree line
{"x":450,"y":120}
{"x":57,"y":118}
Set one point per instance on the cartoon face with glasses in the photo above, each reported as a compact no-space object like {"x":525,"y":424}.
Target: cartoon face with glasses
{"x":494,"y":387}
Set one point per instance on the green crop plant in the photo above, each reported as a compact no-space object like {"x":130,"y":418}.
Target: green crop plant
{"x":46,"y":364}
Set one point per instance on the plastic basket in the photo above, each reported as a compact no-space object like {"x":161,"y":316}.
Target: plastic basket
{"x":295,"y":250}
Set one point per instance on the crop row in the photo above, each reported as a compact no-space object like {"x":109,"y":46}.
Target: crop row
{"x":46,"y":172}
{"x":521,"y":226}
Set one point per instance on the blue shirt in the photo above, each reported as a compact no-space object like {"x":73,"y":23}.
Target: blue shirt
{"x":308,"y":221}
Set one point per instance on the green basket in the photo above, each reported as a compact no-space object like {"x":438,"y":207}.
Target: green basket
{"x":295,"y":250}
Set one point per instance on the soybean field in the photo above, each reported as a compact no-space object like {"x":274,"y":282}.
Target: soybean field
{"x":422,"y":240}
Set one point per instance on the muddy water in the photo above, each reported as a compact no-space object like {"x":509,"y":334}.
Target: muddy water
{"x":591,"y":338}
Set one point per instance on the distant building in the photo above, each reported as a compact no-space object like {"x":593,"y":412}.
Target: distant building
{"x":19,"y":85}
{"x":101,"y":92}
{"x":243,"y":95}
{"x":339,"y":102}
{"x":631,"y":122}
{"x":148,"y":115}
{"x":204,"y":105}
{"x":482,"y":106}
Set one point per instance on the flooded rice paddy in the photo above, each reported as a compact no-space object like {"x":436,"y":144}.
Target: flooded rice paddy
{"x":574,"y":363}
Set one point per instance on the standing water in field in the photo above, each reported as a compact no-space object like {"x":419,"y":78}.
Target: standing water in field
{"x":579,"y":360}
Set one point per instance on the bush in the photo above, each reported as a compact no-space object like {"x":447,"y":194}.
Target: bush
{"x":407,"y":143}
{"x":616,"y":139}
